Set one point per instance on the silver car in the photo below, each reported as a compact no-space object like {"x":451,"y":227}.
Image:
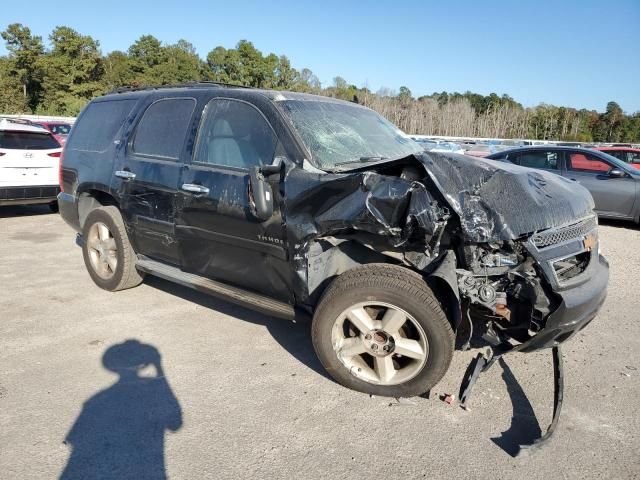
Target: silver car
{"x":614,"y":185}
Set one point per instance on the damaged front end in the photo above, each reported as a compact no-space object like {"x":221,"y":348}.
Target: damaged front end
{"x":511,"y":253}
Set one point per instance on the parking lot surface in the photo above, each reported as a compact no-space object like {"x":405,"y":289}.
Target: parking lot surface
{"x":230,"y":393}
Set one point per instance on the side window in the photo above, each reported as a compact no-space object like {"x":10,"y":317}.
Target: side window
{"x":634,"y":157}
{"x":163,"y":127}
{"x":538,"y":159}
{"x":583,"y":162}
{"x":98,"y":125}
{"x":234,"y":134}
{"x":619,"y":154}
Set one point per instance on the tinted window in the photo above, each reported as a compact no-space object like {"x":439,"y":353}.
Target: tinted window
{"x":587,"y":163}
{"x":27,"y":140}
{"x":538,"y":159}
{"x":619,"y":154}
{"x":634,"y":157}
{"x":163,"y":128}
{"x":234,"y":134}
{"x":98,"y":125}
{"x":60,"y":128}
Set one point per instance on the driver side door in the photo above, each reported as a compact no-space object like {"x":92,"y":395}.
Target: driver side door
{"x":218,"y":235}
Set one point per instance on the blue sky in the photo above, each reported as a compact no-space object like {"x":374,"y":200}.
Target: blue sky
{"x":564,"y":52}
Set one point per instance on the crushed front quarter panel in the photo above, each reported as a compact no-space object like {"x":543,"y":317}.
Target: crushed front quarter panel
{"x":380,"y":212}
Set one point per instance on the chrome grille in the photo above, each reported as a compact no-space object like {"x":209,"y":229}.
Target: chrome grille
{"x":564,"y":234}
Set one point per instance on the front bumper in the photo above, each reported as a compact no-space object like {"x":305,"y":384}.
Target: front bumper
{"x":28,"y":194}
{"x":578,"y":306}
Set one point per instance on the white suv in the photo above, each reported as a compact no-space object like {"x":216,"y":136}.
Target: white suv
{"x":29,"y":163}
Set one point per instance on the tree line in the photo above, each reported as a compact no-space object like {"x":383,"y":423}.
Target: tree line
{"x":61,"y":77}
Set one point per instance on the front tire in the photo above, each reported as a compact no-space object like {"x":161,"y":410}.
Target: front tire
{"x":379,"y":329}
{"x":108,"y":254}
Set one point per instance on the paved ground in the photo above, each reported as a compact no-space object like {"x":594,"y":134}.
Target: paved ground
{"x":244,"y":396}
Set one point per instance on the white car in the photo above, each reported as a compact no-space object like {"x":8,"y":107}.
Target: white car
{"x":29,"y":163}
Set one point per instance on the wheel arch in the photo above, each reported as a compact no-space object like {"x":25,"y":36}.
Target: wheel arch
{"x":328,"y":261}
{"x":91,"y":199}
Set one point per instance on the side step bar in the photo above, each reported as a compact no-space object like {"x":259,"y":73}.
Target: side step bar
{"x":252,"y":300}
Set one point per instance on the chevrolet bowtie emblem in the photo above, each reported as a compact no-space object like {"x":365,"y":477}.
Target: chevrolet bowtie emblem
{"x":590,"y":241}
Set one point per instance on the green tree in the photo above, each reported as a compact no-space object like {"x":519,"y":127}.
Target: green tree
{"x":118,"y":70}
{"x":24,"y":51}
{"x":72,"y":72}
{"x":12,"y":99}
{"x":244,"y":65}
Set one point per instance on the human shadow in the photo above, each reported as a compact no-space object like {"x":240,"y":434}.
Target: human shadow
{"x":524,"y":428}
{"x":120,"y":430}
{"x":295,"y":338}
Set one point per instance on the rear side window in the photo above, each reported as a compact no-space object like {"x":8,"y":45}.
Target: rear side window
{"x":619,"y":154}
{"x":60,"y":128}
{"x":634,"y":157}
{"x":99,"y":124}
{"x":13,"y":140}
{"x":587,"y":163}
{"x":541,"y":159}
{"x":163,"y":128}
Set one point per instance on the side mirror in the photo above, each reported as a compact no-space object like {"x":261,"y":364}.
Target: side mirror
{"x":260,"y":194}
{"x":275,"y":167}
{"x":616,"y":173}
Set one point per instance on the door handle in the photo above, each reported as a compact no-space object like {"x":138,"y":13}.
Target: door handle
{"x":193,"y":188}
{"x":125,"y":174}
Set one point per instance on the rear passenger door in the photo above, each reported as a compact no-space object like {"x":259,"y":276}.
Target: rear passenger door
{"x":218,"y":235}
{"x":613,"y":196}
{"x":148,"y":172}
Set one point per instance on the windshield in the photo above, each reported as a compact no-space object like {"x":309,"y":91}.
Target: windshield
{"x":341,"y":134}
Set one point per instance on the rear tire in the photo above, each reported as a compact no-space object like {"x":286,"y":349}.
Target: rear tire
{"x":108,"y":254}
{"x":403,"y":318}
{"x":53,"y":206}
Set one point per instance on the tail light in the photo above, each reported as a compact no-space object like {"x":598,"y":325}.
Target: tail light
{"x":55,"y":154}
{"x":1,"y":153}
{"x":61,"y":157}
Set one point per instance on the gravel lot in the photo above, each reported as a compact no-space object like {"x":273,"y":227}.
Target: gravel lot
{"x":245,"y":397}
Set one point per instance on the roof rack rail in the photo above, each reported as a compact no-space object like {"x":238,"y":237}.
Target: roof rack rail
{"x":200,"y":83}
{"x":21,"y":121}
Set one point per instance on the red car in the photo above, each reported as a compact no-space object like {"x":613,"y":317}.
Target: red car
{"x":626,"y":154}
{"x":60,"y":130}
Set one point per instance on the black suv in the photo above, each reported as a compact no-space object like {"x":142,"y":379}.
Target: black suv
{"x":299,"y":205}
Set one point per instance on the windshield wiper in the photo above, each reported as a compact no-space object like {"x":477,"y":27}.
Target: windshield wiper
{"x":363,"y":160}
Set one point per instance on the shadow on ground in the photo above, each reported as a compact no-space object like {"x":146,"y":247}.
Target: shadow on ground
{"x":120,"y":430}
{"x":524,"y":428}
{"x":24,"y":210}
{"x":610,"y":222}
{"x":295,"y":338}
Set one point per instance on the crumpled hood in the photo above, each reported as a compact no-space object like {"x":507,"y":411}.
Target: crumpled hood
{"x":501,"y":201}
